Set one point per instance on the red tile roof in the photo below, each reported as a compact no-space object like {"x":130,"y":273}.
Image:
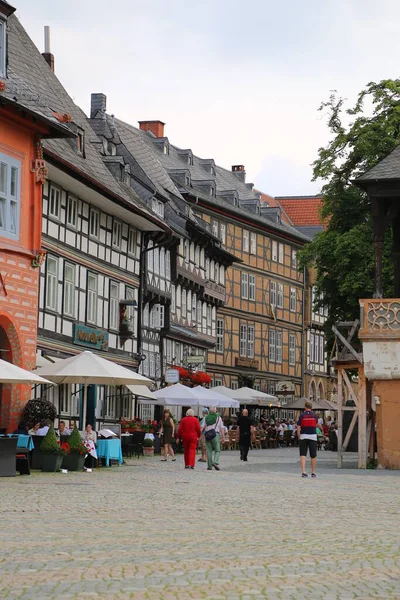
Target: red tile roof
{"x":303,"y":211}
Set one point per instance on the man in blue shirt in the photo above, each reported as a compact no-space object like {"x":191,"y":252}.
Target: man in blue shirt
{"x":307,"y":434}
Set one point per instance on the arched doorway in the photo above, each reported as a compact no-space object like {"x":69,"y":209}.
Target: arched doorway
{"x":320,"y":393}
{"x":313,"y":392}
{"x":10,"y":351}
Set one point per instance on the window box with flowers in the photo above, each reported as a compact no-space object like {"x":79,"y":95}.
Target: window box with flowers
{"x":132,"y":425}
{"x":191,"y":378}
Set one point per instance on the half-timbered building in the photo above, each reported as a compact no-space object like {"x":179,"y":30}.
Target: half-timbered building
{"x":92,"y":228}
{"x":177,"y":296}
{"x":259,"y":326}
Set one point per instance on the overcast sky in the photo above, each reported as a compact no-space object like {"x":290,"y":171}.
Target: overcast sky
{"x":239,"y":81}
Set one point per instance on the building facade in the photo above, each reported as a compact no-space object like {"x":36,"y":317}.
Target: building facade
{"x":25,"y":119}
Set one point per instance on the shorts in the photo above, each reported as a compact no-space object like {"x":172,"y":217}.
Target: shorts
{"x":305,"y":444}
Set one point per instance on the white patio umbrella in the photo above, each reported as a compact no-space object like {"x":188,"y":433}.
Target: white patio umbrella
{"x":10,"y":373}
{"x":212,"y":397}
{"x":246,"y":395}
{"x":89,"y":368}
{"x":174,"y":395}
{"x":142,"y":391}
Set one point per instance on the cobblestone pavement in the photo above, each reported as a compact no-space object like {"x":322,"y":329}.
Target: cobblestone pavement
{"x":154,"y":530}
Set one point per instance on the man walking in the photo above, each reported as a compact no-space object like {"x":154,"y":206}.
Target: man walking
{"x":203,"y":448}
{"x":213,"y":434}
{"x":244,"y":434}
{"x":307,"y":434}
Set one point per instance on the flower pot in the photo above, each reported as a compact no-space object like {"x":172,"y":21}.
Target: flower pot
{"x":147,"y":451}
{"x":73,"y":461}
{"x":50,"y":463}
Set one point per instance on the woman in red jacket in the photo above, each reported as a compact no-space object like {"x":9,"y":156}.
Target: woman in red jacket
{"x":189,"y":431}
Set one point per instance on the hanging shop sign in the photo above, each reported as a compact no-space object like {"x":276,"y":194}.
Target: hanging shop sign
{"x":90,"y":337}
{"x":171,"y":376}
{"x":285,"y":388}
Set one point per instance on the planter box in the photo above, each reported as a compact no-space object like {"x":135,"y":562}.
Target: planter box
{"x":50,"y":463}
{"x":148,"y":451}
{"x":73,"y":462}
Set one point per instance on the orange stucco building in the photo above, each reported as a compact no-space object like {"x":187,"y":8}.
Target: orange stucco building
{"x":24,"y":121}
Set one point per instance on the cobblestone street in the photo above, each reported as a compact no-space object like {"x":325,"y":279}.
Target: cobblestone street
{"x":154,"y":530}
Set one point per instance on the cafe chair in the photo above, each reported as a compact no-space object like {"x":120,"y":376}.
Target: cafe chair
{"x":8,"y":448}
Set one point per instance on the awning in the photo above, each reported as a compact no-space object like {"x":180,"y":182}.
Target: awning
{"x":142,"y":391}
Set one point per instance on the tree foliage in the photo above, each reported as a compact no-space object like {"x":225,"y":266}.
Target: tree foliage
{"x":343,"y":254}
{"x":38,"y":410}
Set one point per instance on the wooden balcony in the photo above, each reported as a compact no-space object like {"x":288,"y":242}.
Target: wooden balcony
{"x":380,"y":319}
{"x":189,"y":275}
{"x":214,"y":292}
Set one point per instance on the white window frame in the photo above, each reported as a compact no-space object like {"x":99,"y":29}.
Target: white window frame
{"x":316,"y":349}
{"x":220,"y":335}
{"x":69,"y":290}
{"x":252,"y":287}
{"x":214,"y":228}
{"x":243,"y":340}
{"x":274,"y":251}
{"x":250,"y":341}
{"x":156,"y":261}
{"x":279,"y":296}
{"x":132,"y":241}
{"x":209,"y":316}
{"x":52,"y":283}
{"x":281,"y":256}
{"x":113,"y":305}
{"x":130,"y":310}
{"x":173,"y":299}
{"x":294,"y":259}
{"x":272,"y":293}
{"x":272,"y":345}
{"x":293,"y":299}
{"x":292,"y":349}
{"x":94,"y":223}
{"x":10,"y":197}
{"x":246,"y":240}
{"x":54,"y":201}
{"x":116,"y":234}
{"x":253,"y":242}
{"x":245,"y":286}
{"x":279,"y":346}
{"x":321,"y":349}
{"x":91,"y":299}
{"x":311,"y":347}
{"x":222,"y":233}
{"x":184,"y":304}
{"x":72,"y":211}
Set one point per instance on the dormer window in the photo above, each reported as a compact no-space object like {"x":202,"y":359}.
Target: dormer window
{"x":158,"y":207}
{"x":190,"y":159}
{"x":166,"y":149}
{"x":80,"y":141}
{"x":187,"y":181}
{"x":111,"y":149}
{"x":2,"y":47}
{"x":212,"y":170}
{"x":127,"y":175}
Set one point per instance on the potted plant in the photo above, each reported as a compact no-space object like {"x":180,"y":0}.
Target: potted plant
{"x":148,"y":447}
{"x":75,"y":457}
{"x":51,"y":452}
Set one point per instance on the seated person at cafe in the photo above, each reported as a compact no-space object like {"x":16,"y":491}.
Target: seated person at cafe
{"x":264,"y":419}
{"x":44,"y":427}
{"x":62,"y":429}
{"x":89,"y":435}
{"x":34,"y":429}
{"x":22,"y":428}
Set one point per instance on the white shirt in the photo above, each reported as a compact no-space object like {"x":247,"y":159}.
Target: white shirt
{"x":42,"y":430}
{"x":217,"y":426}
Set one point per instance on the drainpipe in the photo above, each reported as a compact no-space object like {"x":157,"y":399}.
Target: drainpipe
{"x":304,"y":353}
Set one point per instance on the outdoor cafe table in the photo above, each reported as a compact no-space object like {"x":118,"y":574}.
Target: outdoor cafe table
{"x":110,"y":449}
{"x":23,"y":441}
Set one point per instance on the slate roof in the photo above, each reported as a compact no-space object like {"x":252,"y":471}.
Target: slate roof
{"x":224,"y":180}
{"x":273,"y":203}
{"x":28,"y":67}
{"x":388,"y":168}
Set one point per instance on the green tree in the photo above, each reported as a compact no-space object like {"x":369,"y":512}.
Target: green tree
{"x":343,"y":254}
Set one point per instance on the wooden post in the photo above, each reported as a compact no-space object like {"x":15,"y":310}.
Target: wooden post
{"x":340,"y":418}
{"x":362,"y":419}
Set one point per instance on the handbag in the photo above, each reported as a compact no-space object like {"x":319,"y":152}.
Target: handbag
{"x":211,"y":433}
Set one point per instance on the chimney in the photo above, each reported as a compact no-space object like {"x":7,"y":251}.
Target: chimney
{"x":239,"y":171}
{"x":156,"y":127}
{"x":98,"y":103}
{"x":47,"y":55}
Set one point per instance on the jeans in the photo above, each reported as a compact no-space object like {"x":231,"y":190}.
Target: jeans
{"x":213,"y":445}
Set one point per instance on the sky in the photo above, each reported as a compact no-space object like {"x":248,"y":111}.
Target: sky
{"x":237,"y":81}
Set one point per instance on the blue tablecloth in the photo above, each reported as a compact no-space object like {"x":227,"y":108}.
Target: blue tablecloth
{"x":24,"y":441}
{"x":110,"y":449}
